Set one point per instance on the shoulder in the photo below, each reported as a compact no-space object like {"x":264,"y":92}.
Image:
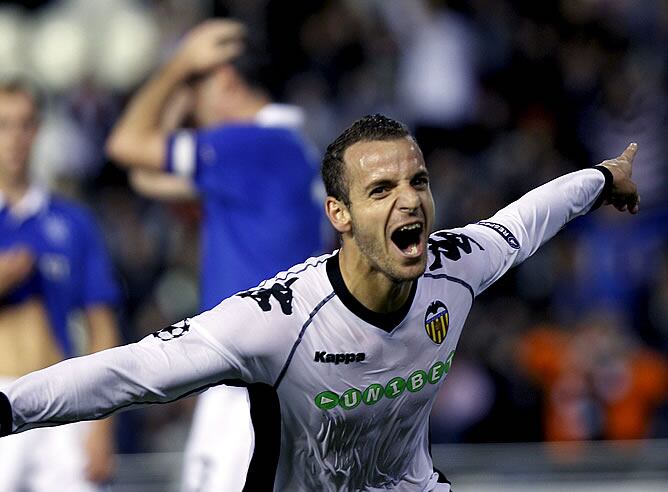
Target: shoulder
{"x":291,"y":293}
{"x":267,"y":319}
{"x":448,"y":247}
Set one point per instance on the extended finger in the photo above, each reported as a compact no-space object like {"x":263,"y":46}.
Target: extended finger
{"x":630,"y":152}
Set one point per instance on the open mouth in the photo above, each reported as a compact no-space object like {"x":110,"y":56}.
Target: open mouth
{"x":408,"y":239}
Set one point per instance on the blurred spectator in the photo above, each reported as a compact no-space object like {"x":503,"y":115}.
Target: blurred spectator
{"x":247,"y":162}
{"x":598,"y":382}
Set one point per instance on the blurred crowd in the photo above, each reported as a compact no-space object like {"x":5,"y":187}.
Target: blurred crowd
{"x":502,"y":95}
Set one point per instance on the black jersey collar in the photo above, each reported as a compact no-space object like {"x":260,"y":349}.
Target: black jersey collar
{"x":384,"y":321}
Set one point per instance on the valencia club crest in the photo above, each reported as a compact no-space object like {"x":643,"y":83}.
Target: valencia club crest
{"x":436,"y":321}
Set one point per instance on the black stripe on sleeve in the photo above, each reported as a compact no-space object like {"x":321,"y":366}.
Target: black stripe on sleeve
{"x":5,"y":416}
{"x":607,"y":187}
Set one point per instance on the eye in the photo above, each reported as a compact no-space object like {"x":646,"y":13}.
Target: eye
{"x":379,"y":191}
{"x":421,"y":182}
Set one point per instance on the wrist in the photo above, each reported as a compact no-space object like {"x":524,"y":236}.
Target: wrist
{"x":177,"y":70}
{"x":607,"y":186}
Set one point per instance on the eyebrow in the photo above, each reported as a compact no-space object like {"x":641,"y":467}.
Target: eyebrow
{"x":421,"y":174}
{"x":379,"y":182}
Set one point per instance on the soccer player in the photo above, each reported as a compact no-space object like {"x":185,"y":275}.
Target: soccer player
{"x":52,"y":265}
{"x":356,"y":343}
{"x":254,"y":173}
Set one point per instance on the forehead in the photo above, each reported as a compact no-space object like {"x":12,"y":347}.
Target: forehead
{"x":383,"y":159}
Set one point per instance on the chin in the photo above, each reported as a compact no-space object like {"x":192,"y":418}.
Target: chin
{"x":405,"y":273}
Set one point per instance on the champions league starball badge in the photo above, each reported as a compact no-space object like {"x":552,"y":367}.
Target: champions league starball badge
{"x":436,"y":321}
{"x":176,"y":330}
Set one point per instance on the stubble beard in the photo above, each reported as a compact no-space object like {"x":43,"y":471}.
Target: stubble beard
{"x":379,"y":260}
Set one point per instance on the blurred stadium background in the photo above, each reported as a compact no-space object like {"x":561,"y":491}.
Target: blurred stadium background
{"x":561,"y":378}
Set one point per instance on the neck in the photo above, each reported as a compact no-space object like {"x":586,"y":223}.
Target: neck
{"x":371,"y":287}
{"x":249,"y":107}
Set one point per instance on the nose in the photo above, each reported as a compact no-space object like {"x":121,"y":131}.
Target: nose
{"x":409,"y":200}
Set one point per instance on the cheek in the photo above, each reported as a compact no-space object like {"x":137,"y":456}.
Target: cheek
{"x":370,"y":223}
{"x":429,"y":207}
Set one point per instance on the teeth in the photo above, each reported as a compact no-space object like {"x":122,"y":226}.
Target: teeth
{"x":410,"y":227}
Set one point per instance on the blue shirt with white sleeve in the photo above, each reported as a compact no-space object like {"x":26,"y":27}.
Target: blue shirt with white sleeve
{"x":259,"y":184}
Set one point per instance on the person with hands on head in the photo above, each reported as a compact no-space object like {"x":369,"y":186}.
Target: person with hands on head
{"x":355,"y":343}
{"x":245,"y":158}
{"x":52,"y":266}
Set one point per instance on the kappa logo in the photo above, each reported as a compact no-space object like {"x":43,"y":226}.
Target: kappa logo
{"x":450,"y":245}
{"x":175,"y":331}
{"x":505,"y":233}
{"x":281,"y":292}
{"x":436,"y":321}
{"x":340,"y":358}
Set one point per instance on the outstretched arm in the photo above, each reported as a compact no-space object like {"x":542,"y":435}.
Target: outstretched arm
{"x":139,"y":139}
{"x":180,"y":360}
{"x":515,"y":232}
{"x":153,"y":370}
{"x":544,"y":211}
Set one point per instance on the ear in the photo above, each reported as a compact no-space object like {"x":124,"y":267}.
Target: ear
{"x":338,"y":214}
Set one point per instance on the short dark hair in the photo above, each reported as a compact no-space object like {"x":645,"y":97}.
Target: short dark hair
{"x":254,"y":65}
{"x":368,"y":128}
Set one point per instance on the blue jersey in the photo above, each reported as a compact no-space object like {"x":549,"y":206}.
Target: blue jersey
{"x":72,"y":268}
{"x":257,"y":183}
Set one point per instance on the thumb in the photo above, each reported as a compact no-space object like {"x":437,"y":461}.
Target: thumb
{"x":630,"y":152}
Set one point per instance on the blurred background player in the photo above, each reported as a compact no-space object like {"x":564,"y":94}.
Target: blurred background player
{"x":258,"y":180}
{"x":52,"y":265}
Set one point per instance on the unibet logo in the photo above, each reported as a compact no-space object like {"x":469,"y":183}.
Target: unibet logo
{"x":322,"y":356}
{"x":326,"y":400}
{"x":352,"y":397}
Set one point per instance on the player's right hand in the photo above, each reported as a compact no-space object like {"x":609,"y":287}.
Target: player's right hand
{"x":212,"y":43}
{"x":15,"y":265}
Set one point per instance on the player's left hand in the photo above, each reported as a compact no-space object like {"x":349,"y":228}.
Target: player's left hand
{"x":100,"y":452}
{"x":624,"y":192}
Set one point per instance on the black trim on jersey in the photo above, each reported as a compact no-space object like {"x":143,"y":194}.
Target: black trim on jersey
{"x":265,"y":411}
{"x":441,"y":476}
{"x":385,"y":321}
{"x":607,"y":187}
{"x":299,"y":338}
{"x":452,"y":279}
{"x":5,"y":416}
{"x":291,"y":272}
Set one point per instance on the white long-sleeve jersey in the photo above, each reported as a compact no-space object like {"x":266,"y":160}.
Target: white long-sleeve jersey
{"x":355,"y":387}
